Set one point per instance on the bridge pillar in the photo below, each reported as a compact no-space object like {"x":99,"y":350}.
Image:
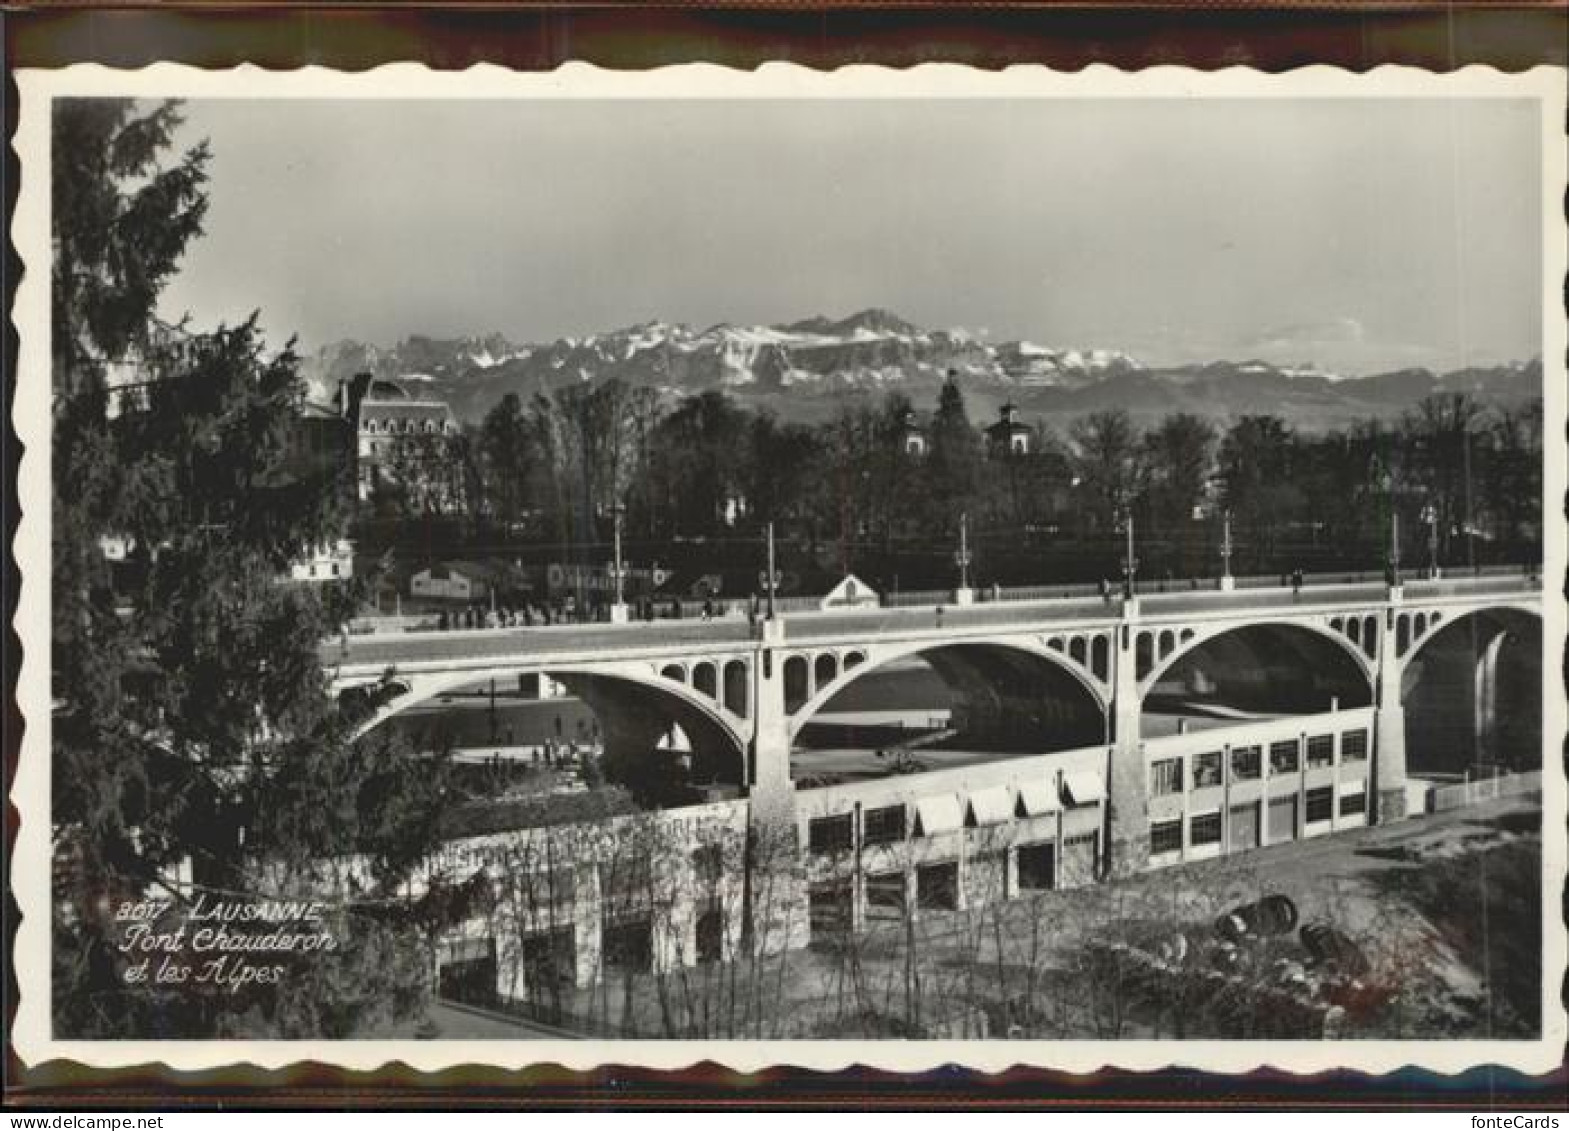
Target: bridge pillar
{"x":1484,"y":690}
{"x":1389,"y":726}
{"x":777,"y":912}
{"x":1127,"y":796}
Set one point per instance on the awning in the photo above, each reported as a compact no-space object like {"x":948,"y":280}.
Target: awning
{"x":1037,"y":798}
{"x":991,"y":806}
{"x":1352,"y":788}
{"x":939,"y":814}
{"x":1083,"y":787}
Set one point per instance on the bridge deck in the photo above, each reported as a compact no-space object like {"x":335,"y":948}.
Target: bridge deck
{"x":649,"y":638}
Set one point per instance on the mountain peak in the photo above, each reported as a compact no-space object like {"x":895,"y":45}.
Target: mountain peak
{"x":874,"y":321}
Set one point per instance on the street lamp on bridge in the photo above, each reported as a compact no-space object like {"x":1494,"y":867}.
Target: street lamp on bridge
{"x":618,"y":571}
{"x":962,"y":558}
{"x":1430,"y":518}
{"x":1130,"y":563}
{"x":770,"y":577}
{"x":1227,"y":582}
{"x":1392,"y":571}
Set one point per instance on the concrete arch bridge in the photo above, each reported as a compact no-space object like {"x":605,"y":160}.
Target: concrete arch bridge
{"x":1032,"y":676}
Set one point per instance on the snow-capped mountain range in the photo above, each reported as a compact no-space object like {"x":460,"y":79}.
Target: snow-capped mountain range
{"x":806,"y":369}
{"x":873,"y":349}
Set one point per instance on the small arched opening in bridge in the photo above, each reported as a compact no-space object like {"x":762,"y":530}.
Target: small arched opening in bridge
{"x":1259,"y":671}
{"x":928,"y":708}
{"x":1472,"y":691}
{"x":555,"y":731}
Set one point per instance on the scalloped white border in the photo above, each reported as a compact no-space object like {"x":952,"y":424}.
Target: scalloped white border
{"x":31,"y":414}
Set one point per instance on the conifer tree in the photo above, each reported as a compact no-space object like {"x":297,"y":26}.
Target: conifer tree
{"x":955,"y":465}
{"x":192,"y":729}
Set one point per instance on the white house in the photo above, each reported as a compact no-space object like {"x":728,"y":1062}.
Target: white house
{"x":330,"y":561}
{"x":851,"y":593}
{"x":450,"y":581}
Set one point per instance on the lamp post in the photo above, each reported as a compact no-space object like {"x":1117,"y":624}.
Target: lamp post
{"x":618,"y":572}
{"x":771,"y":577}
{"x":1430,"y":517}
{"x":963,"y":595}
{"x":1394,"y":548}
{"x":1130,"y":564}
{"x":1227,"y":582}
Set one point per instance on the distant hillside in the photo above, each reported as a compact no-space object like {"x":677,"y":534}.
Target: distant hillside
{"x":806,"y":370}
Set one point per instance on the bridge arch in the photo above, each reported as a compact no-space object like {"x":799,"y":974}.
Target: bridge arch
{"x":978,"y":656}
{"x":1422,"y":625}
{"x":635,"y":706}
{"x":1155,"y":666}
{"x":1470,"y":687}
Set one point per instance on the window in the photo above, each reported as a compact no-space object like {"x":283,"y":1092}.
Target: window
{"x":831,"y":834}
{"x":986,"y":876}
{"x":627,"y":946}
{"x":711,"y":936}
{"x":1283,"y":757}
{"x":1206,"y":769}
{"x":885,"y":895}
{"x":1082,"y":840}
{"x":883,"y":826}
{"x":1165,"y":837}
{"x":937,"y":887}
{"x":829,"y":906}
{"x":708,"y":868}
{"x":1244,"y":762}
{"x":1166,"y":777}
{"x":1353,"y":803}
{"x":562,"y":883}
{"x":1321,"y":750}
{"x":1320,"y":805}
{"x":1353,"y":746}
{"x":1204,"y":829}
{"x":626,"y":882}
{"x":1037,"y":867}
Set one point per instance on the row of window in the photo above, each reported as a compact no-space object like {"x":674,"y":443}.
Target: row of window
{"x":392,"y":427}
{"x":628,"y":880}
{"x":403,"y":447}
{"x":937,"y":882}
{"x":1246,"y":761}
{"x":1204,"y":829}
{"x":885,"y":825}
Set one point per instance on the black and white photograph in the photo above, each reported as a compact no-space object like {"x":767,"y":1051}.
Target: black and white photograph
{"x":993,"y":568}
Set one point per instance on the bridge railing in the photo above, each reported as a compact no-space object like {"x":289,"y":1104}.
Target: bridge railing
{"x":1481,"y":576}
{"x":914,"y":598}
{"x":1461,"y":794}
{"x":738,"y":609}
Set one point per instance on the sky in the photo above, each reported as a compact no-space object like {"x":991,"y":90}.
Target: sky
{"x":1357,"y":235}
